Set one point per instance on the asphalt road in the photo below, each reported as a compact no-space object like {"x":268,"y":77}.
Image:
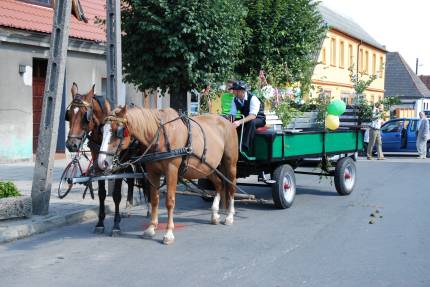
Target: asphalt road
{"x":322,"y":240}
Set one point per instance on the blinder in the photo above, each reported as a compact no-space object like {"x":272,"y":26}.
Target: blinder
{"x":67,"y":116}
{"x":87,"y":116}
{"x":121,"y":132}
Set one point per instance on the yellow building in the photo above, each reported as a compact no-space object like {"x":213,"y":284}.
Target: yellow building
{"x":348,"y":45}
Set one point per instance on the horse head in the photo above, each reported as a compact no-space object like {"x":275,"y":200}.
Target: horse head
{"x":84,"y":116}
{"x":116,"y":137}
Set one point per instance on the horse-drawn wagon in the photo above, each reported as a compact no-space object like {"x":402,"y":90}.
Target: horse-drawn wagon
{"x":180,"y":148}
{"x":282,"y":153}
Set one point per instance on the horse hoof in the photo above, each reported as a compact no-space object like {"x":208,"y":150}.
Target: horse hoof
{"x":99,"y":229}
{"x":215,"y":219}
{"x":148,"y":234}
{"x":228,"y":221}
{"x":116,"y":233}
{"x":168,"y":240}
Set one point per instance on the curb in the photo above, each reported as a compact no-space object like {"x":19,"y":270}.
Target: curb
{"x":24,"y":230}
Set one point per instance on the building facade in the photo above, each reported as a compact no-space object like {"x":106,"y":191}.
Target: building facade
{"x":348,"y":46}
{"x":25,"y":28}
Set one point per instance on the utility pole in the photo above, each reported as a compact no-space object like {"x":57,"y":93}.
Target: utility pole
{"x":47,"y":143}
{"x":416,"y":67}
{"x":115,"y":87}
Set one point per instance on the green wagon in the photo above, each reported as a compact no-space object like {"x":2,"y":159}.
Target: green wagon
{"x":280,"y":153}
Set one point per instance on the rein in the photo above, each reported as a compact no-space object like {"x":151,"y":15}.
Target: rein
{"x":184,"y":152}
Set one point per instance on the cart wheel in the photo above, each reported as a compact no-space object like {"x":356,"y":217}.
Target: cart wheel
{"x":284,"y":189}
{"x":345,"y":174}
{"x":70,"y":171}
{"x":206,"y":184}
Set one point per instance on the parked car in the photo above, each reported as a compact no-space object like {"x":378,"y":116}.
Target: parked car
{"x":399,"y":135}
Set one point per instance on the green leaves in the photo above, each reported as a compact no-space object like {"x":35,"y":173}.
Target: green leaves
{"x":285,"y":38}
{"x":8,"y":189}
{"x":181,"y":44}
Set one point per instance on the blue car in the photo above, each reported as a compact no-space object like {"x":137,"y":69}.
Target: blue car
{"x":399,"y":135}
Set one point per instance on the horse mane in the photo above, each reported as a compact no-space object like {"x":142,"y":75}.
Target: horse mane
{"x":143,"y":123}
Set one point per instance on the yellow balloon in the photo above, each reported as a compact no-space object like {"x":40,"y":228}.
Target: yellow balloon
{"x":332,"y":122}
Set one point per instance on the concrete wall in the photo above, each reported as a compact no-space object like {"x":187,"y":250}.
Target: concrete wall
{"x":16,"y":110}
{"x":85,"y":66}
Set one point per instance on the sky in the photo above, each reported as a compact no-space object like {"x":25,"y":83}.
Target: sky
{"x":402,"y":26}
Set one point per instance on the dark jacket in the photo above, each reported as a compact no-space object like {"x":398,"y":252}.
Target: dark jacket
{"x":246,"y":106}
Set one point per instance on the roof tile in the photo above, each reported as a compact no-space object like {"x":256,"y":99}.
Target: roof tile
{"x":22,"y":15}
{"x":400,"y":80}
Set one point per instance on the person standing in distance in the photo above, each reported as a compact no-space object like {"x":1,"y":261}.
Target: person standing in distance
{"x":422,"y":136}
{"x":375,"y":133}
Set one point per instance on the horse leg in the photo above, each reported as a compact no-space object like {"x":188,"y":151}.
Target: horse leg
{"x":215,"y":205}
{"x":129,"y":202}
{"x":116,"y":230}
{"x":154,"y":183}
{"x":230,"y":189}
{"x":100,"y":227}
{"x":172,"y":180}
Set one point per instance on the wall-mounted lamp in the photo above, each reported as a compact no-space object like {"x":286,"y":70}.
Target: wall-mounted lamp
{"x":21,"y":69}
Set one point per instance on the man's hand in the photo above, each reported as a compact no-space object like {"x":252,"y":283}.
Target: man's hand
{"x":237,"y":123}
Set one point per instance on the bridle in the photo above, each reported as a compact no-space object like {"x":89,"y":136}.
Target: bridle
{"x":121,"y":132}
{"x":80,"y":103}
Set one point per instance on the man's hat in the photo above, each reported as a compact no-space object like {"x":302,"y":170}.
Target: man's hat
{"x":239,"y":85}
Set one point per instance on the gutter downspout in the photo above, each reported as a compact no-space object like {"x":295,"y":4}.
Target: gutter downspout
{"x":356,"y":95}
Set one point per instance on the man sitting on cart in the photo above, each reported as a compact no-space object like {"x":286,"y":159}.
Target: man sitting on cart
{"x":252,"y":110}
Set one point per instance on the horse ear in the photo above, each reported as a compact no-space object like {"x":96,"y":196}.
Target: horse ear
{"x":122,"y":111}
{"x":74,"y":89}
{"x":91,"y":92}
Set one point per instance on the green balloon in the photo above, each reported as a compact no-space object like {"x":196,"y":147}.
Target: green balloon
{"x":336,"y":108}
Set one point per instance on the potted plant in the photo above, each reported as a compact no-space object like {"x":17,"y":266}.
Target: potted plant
{"x":12,"y":203}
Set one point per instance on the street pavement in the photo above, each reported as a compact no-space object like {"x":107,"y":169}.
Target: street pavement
{"x":322,"y":240}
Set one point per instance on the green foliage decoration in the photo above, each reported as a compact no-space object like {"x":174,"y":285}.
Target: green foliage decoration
{"x":8,"y":189}
{"x":286,"y":110}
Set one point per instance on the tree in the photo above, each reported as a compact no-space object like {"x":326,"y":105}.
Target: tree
{"x":286,"y":36}
{"x":181,"y":44}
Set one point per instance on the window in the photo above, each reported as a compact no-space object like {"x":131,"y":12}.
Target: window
{"x":360,"y":61}
{"x":366,"y":62}
{"x":374,"y":64}
{"x":346,"y":97}
{"x":333,"y":52}
{"x":381,"y":67}
{"x":323,"y":56}
{"x":350,"y":56}
{"x":393,"y":127}
{"x":342,"y":55}
{"x":414,"y":126}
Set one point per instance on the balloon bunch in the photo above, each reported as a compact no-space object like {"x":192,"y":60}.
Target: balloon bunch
{"x":334,"y":110}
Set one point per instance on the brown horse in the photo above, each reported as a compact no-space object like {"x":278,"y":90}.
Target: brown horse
{"x":86,"y":115}
{"x":147,"y":127}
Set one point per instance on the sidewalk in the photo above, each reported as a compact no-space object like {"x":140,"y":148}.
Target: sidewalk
{"x":70,"y":210}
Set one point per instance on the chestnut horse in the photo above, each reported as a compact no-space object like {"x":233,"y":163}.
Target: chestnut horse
{"x":86,"y":115}
{"x":159,"y":131}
